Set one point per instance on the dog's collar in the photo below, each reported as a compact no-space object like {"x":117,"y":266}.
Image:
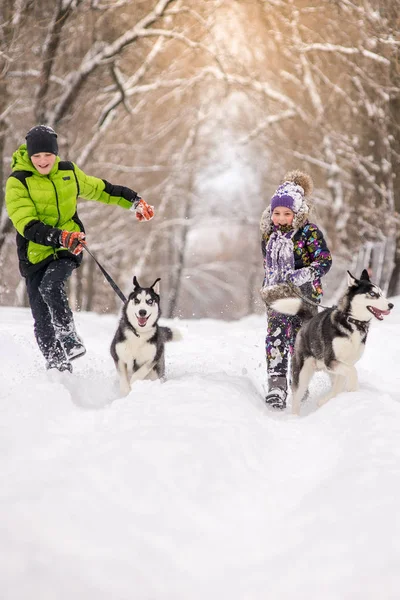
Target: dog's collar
{"x":360,"y":324}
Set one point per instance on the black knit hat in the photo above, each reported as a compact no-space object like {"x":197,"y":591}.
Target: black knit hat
{"x":41,"y":139}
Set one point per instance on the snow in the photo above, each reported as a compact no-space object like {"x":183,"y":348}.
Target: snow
{"x":193,"y":489}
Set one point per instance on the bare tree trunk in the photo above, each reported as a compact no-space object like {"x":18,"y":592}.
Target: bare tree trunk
{"x":49,"y":53}
{"x":12,"y":16}
{"x":21,"y":296}
{"x":188,"y":157}
{"x":394,"y":284}
{"x":5,"y":15}
{"x":88,"y":275}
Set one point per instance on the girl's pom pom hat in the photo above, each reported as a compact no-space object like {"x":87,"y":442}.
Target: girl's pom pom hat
{"x":291,"y":193}
{"x":294,"y":193}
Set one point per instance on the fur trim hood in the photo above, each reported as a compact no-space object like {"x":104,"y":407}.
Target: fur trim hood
{"x":303,"y":185}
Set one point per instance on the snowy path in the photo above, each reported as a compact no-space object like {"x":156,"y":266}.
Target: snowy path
{"x":193,"y":489}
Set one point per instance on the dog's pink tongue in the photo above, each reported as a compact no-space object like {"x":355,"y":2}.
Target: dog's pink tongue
{"x":379,"y":313}
{"x":142,"y":321}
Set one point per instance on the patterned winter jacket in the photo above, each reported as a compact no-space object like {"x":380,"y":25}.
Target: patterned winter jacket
{"x":310,"y":250}
{"x":40,"y":206}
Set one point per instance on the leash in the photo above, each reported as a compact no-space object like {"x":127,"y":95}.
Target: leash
{"x":106,"y":275}
{"x":363,"y":325}
{"x":294,"y":289}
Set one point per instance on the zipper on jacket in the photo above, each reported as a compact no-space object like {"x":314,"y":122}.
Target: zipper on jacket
{"x":58,"y":207}
{"x":55,"y":254}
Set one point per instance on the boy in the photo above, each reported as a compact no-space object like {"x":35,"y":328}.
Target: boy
{"x":41,"y":200}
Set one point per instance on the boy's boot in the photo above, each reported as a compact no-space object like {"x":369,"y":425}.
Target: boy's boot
{"x":58,"y":360}
{"x":277,"y":392}
{"x":60,"y":365}
{"x":70,"y":341}
{"x":73,"y":345}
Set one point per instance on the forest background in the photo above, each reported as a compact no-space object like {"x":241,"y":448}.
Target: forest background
{"x":201,"y":106}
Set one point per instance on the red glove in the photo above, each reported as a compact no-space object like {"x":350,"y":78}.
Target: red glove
{"x":72,"y":241}
{"x":144,"y":212}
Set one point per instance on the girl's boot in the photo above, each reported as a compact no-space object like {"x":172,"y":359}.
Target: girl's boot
{"x":277,"y":392}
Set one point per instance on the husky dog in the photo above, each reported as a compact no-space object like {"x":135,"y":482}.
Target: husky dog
{"x":333,"y":340}
{"x":138,"y":344}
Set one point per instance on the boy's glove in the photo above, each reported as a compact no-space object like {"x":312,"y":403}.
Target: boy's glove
{"x":144,"y":212}
{"x":301,"y":276}
{"x":72,"y":241}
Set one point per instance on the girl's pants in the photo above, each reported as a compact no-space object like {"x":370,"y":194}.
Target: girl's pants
{"x":49,"y":305}
{"x":279,"y":342}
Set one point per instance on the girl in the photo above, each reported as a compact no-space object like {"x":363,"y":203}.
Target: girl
{"x":295,"y":252}
{"x":41,"y":200}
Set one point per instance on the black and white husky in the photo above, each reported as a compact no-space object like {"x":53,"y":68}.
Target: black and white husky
{"x":138,"y":344}
{"x":333,"y":340}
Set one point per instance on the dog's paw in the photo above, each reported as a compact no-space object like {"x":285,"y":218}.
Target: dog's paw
{"x":352,"y":384}
{"x":353,"y":387}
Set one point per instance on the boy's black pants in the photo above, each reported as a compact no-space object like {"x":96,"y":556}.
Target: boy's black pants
{"x":49,"y":305}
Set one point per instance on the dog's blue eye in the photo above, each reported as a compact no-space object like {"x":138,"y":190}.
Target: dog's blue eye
{"x":373,"y":295}
{"x":150,"y":302}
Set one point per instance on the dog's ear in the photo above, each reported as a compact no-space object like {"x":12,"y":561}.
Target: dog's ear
{"x":351,"y":280}
{"x":365,"y":275}
{"x":156,"y":286}
{"x":135,"y":282}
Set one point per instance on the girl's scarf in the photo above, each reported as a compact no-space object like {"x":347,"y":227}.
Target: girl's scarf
{"x":279,"y":260}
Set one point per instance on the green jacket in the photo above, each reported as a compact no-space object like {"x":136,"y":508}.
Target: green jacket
{"x":40,"y":206}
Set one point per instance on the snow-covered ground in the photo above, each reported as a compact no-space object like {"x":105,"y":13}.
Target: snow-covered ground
{"x":193,"y":489}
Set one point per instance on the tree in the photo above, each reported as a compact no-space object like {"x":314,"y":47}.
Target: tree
{"x":202,"y":107}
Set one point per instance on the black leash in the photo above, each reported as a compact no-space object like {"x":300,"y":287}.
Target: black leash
{"x":106,"y":275}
